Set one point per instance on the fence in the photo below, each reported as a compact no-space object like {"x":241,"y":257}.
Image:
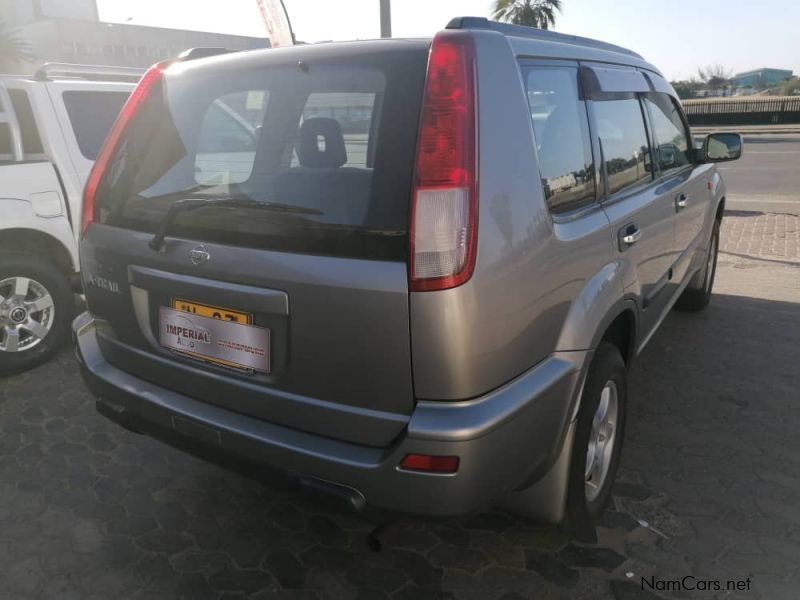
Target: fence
{"x":753,"y":110}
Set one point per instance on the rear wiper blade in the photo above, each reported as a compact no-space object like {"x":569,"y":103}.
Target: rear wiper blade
{"x":186,"y":204}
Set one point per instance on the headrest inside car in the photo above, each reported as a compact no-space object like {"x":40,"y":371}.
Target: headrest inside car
{"x":321,"y":143}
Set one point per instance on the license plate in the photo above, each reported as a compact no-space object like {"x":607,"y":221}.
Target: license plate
{"x":223,"y":340}
{"x":208,"y":310}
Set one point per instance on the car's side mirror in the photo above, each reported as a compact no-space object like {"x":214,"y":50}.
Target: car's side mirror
{"x":667,"y":155}
{"x":722,"y":147}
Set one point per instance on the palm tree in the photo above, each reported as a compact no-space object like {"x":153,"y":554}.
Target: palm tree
{"x":533,"y":13}
{"x":12,"y":48}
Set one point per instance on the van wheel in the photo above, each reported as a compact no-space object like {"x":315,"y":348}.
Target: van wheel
{"x":36,"y":306}
{"x":598,"y":437}
{"x":697,"y":295}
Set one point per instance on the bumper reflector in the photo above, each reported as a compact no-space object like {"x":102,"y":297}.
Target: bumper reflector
{"x":429,"y":464}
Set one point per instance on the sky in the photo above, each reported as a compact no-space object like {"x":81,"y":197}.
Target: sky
{"x":677,"y":36}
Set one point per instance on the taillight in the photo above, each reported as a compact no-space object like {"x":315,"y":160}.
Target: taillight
{"x":151,"y":77}
{"x":444,"y":196}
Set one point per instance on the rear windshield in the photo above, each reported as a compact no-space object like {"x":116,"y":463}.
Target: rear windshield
{"x":325,"y":147}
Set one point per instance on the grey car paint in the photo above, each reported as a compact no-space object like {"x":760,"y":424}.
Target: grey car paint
{"x":503,"y":439}
{"x":323,"y":388}
{"x":536,"y":283}
{"x":529,"y":268}
{"x":497,"y":364}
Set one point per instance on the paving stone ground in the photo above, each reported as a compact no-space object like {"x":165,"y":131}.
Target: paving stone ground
{"x":709,"y":488}
{"x":762,"y":235}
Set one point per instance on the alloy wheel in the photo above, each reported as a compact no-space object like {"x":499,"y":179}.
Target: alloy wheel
{"x":27,"y":313}
{"x":600,"y":450}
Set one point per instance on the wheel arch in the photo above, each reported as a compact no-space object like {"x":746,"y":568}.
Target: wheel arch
{"x":621,"y":331}
{"x":620,"y":327}
{"x":545,"y":497}
{"x":31,"y":241}
{"x":720,"y":209}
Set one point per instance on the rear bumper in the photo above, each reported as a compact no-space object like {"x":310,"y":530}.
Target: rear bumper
{"x":505,"y":440}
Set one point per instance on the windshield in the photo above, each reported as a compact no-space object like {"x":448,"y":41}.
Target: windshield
{"x":335,"y":138}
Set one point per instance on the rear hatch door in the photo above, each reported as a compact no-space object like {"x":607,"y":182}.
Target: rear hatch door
{"x":280,"y":180}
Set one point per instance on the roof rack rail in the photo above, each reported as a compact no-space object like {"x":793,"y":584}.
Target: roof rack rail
{"x":203,"y":52}
{"x":54,"y":69}
{"x":532,"y":32}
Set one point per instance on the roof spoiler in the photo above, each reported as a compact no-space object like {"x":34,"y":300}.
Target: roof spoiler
{"x":202,"y":52}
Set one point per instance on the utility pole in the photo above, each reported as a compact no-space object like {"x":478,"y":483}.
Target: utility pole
{"x":386,"y":18}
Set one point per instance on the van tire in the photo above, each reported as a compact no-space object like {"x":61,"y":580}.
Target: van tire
{"x":586,"y":502}
{"x":56,"y":284}
{"x":697,"y":294}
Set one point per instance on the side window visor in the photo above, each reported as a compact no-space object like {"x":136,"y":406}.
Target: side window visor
{"x":612,"y":83}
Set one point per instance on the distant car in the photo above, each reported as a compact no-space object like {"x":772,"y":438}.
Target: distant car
{"x":419,"y":284}
{"x":52,"y":125}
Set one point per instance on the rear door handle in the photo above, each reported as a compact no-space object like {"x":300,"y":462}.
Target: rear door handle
{"x":629,"y":235}
{"x":681,"y":201}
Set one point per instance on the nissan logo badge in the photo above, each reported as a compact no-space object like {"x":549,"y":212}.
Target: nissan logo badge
{"x":199,"y":255}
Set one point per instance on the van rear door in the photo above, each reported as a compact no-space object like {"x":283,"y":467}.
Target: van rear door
{"x":281,"y":181}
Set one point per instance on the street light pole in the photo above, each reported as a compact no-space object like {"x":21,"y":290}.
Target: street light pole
{"x":386,"y":18}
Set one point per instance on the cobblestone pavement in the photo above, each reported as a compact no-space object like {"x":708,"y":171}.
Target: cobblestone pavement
{"x":709,"y":487}
{"x":762,"y":235}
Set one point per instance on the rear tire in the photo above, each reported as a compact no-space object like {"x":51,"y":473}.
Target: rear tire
{"x":36,"y":308}
{"x":697,"y":295}
{"x":598,"y":437}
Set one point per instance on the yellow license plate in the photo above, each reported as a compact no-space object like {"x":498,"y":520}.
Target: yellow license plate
{"x":215,"y":312}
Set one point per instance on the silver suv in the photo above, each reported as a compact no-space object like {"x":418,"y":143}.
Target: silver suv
{"x":411,"y":274}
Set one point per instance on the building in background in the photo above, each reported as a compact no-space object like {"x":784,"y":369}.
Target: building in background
{"x":70,"y":31}
{"x":20,"y":12}
{"x":761,"y":78}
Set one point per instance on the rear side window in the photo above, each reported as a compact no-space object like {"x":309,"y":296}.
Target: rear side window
{"x":326,"y":147}
{"x":5,"y":138}
{"x":671,"y":140}
{"x":31,"y":142}
{"x":620,"y":127}
{"x":561,"y":130}
{"x":91,"y":115}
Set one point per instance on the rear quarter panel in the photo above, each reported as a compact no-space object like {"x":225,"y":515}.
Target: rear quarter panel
{"x":531,"y":272}
{"x":31,"y":199}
